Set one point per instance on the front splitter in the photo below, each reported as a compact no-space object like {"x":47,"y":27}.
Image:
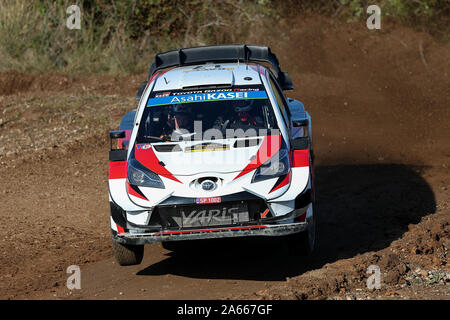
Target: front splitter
{"x":210,"y":233}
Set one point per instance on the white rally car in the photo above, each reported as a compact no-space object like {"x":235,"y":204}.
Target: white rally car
{"x":213,"y":150}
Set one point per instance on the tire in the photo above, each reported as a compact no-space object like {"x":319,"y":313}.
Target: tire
{"x":127,"y":255}
{"x":303,"y":243}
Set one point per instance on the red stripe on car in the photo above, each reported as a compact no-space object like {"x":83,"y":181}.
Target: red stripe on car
{"x":269,"y":147}
{"x":132,"y":192}
{"x":152,"y":78}
{"x":209,"y":230}
{"x":120,"y":230}
{"x":165,"y":71}
{"x":148,"y":159}
{"x":262,"y":70}
{"x":302,"y":217}
{"x":283,"y":183}
{"x":117,"y":170}
{"x":300,"y":158}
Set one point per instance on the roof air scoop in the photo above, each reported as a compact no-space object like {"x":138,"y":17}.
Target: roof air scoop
{"x":204,"y":78}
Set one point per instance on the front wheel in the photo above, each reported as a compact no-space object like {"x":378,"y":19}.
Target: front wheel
{"x":127,"y":255}
{"x":304,"y":243}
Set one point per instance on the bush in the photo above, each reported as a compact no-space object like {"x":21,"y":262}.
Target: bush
{"x":425,"y":15}
{"x":115,"y":36}
{"x":122,"y":36}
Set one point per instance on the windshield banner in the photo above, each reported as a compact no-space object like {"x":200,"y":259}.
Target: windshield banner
{"x":203,"y":97}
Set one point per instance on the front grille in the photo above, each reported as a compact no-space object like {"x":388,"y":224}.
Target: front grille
{"x":208,"y":215}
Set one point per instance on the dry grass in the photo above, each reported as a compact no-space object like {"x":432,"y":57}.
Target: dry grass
{"x":34,"y":37}
{"x":119,"y":37}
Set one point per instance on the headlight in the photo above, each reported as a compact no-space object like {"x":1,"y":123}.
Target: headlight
{"x":276,"y":166}
{"x":141,"y":176}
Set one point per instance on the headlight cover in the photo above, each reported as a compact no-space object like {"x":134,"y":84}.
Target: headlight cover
{"x":141,"y":176}
{"x":276,"y":166}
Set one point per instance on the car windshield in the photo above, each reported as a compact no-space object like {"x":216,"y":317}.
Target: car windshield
{"x":206,"y":114}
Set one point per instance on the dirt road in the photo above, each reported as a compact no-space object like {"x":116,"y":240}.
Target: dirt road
{"x":380,"y":106}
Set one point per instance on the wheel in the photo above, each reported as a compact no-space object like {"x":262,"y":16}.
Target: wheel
{"x":304,"y":243}
{"x":127,"y":255}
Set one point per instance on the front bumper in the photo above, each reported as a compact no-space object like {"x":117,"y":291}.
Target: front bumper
{"x":133,"y":238}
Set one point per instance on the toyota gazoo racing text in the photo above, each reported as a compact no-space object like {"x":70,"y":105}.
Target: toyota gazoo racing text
{"x":213,"y":150}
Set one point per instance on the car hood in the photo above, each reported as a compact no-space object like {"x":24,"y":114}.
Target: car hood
{"x":196,"y":157}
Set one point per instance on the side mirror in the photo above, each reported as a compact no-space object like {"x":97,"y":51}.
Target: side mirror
{"x":117,"y":134}
{"x":117,"y":154}
{"x":300,"y":122}
{"x":141,"y":90}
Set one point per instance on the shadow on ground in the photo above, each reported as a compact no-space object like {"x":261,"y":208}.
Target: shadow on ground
{"x":362,"y":208}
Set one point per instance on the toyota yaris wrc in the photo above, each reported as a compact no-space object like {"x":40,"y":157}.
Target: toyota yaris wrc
{"x":213,"y":150}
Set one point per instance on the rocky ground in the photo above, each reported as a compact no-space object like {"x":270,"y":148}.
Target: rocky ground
{"x":380,"y":108}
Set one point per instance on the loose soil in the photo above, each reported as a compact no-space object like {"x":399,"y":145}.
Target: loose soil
{"x":379,"y":102}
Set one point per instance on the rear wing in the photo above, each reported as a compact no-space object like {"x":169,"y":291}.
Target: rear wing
{"x":217,"y":54}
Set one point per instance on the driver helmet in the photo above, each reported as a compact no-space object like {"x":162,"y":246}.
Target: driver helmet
{"x":182,"y":117}
{"x":181,"y":108}
{"x":243,"y":110}
{"x":244,"y":106}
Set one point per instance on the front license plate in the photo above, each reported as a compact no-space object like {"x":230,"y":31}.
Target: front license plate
{"x":209,"y":200}
{"x":204,"y":216}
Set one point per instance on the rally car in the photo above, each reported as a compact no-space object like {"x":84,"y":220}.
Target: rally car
{"x":214,"y":149}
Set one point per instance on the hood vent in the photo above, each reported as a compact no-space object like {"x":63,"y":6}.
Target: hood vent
{"x":246,"y":143}
{"x":167,"y":147}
